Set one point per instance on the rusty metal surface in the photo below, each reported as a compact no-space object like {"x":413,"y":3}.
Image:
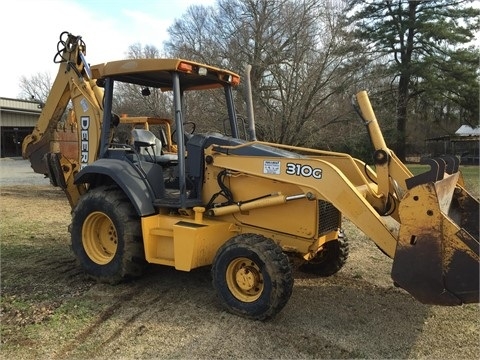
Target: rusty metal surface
{"x":36,"y":153}
{"x":462,"y":270}
{"x":436,"y":259}
{"x":464,"y":211}
{"x":418,"y":270}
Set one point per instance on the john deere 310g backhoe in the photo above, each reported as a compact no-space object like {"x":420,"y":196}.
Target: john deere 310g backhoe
{"x":243,"y":207}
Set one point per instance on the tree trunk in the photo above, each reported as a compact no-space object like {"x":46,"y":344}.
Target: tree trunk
{"x":405,"y":74}
{"x":402,"y":104}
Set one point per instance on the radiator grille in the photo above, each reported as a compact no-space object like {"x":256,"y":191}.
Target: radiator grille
{"x":328,"y":217}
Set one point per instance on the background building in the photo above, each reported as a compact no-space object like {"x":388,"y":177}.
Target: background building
{"x":17,"y":120}
{"x":464,"y":144}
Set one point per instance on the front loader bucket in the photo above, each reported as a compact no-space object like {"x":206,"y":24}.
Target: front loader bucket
{"x":437,"y":254}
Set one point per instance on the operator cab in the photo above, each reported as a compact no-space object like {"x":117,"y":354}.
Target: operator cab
{"x":177,"y":77}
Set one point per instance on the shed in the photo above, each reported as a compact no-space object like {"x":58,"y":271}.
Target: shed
{"x":464,"y":143}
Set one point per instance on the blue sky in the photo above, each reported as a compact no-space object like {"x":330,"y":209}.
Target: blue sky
{"x":30,"y":29}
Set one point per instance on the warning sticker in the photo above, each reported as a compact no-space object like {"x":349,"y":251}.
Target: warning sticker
{"x":84,"y":104}
{"x":271,"y":167}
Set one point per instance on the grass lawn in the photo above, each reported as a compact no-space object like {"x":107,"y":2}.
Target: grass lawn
{"x":471,"y":176}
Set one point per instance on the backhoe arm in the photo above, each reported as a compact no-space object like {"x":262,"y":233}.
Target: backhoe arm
{"x":73,"y":84}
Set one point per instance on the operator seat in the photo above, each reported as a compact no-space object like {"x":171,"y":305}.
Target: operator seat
{"x":150,"y":147}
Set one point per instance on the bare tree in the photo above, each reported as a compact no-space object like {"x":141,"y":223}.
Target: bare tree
{"x":36,"y":87}
{"x":133,"y":100}
{"x":297,"y":80}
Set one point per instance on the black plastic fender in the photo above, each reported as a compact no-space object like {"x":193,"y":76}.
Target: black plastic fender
{"x":128,"y":177}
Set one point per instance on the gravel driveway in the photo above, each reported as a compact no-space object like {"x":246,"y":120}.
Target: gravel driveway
{"x":17,"y":171}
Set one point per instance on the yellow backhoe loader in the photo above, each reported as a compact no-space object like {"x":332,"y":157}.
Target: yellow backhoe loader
{"x":241,"y":206}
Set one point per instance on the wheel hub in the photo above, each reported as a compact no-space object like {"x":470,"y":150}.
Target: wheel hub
{"x":244,"y":279}
{"x":99,"y":238}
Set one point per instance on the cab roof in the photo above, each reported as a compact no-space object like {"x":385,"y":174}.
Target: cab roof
{"x":157,"y":73}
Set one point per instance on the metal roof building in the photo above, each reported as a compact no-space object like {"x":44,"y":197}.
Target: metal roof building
{"x":17,"y":120}
{"x":464,"y":143}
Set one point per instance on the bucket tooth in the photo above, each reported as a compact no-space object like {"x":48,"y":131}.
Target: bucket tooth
{"x":452,"y":164}
{"x":436,"y":172}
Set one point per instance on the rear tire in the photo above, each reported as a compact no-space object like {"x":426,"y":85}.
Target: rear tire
{"x":106,"y":236}
{"x":252,"y":276}
{"x":330,"y":260}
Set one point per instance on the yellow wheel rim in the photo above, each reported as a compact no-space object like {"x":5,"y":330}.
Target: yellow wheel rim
{"x":244,"y":279}
{"x":99,"y":238}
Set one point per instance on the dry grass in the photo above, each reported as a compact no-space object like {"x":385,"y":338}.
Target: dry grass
{"x":49,"y":310}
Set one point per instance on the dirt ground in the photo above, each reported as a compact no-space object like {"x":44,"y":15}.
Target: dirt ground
{"x":49,"y":310}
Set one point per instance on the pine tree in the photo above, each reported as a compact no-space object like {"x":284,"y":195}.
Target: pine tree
{"x":422,"y":43}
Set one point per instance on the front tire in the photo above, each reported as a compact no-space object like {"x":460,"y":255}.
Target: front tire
{"x":252,"y":276}
{"x":106,"y":236}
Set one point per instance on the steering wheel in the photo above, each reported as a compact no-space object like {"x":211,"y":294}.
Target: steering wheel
{"x":188,"y":127}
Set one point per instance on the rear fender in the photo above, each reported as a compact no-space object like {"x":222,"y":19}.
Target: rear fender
{"x":126,"y":176}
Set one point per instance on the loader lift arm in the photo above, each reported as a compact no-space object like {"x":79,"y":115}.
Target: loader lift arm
{"x":437,"y":252}
{"x":434,"y":242}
